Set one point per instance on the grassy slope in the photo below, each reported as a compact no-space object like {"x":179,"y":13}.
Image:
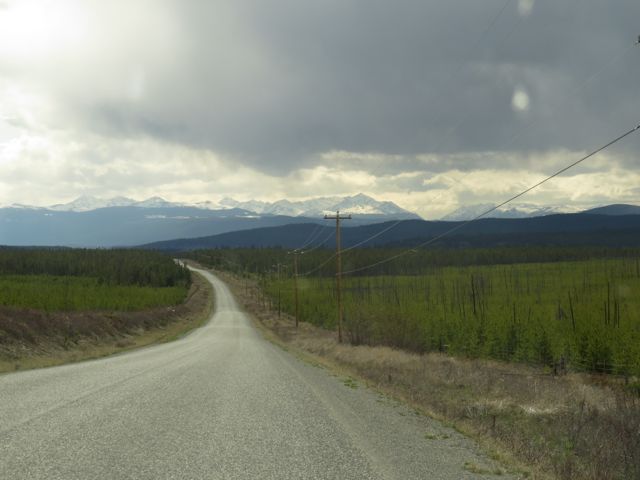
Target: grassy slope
{"x":31,"y":339}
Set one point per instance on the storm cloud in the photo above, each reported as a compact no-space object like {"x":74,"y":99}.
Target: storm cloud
{"x":411,"y":87}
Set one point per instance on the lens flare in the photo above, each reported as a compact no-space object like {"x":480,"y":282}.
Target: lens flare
{"x":520,"y":101}
{"x":525,"y":7}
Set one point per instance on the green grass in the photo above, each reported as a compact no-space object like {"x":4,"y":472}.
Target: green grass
{"x":585,"y":312}
{"x":72,"y":293}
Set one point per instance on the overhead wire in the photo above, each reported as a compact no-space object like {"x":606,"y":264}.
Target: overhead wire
{"x":331,"y":233}
{"x":514,"y":137}
{"x":452,"y":130}
{"x":505,"y":202}
{"x":314,"y":270}
{"x":320,"y":244}
{"x":312,"y":237}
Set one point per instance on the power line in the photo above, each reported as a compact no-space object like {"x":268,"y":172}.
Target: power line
{"x":311,"y":238}
{"x":366,"y":240}
{"x":322,"y":243}
{"x":524,"y":192}
{"x":374,"y":236}
{"x":314,"y":270}
{"x":514,"y":137}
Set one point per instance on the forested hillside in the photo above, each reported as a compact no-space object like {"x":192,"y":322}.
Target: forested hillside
{"x":570,"y":230}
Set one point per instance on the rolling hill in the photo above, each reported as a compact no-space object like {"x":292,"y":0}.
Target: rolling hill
{"x":563,"y":229}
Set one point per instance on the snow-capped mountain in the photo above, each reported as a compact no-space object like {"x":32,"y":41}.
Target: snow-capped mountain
{"x":86,"y":203}
{"x":255,"y":206}
{"x":515,"y":210}
{"x":156,"y":202}
{"x":364,"y":205}
{"x":208,"y":205}
{"x":359,"y":204}
{"x":89,"y":222}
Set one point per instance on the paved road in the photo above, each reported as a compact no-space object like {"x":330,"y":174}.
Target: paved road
{"x":222,"y":403}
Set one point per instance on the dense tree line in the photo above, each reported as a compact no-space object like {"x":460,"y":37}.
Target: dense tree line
{"x":411,"y":262}
{"x":111,"y":267}
{"x":71,"y":293}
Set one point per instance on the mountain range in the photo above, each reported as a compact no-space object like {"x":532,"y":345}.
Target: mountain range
{"x":121,"y":221}
{"x":359,"y":204}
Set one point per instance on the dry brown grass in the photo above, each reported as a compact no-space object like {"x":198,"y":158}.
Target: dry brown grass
{"x":34,"y":339}
{"x":570,"y":427}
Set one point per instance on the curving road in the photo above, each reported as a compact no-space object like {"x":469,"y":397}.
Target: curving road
{"x":222,"y":403}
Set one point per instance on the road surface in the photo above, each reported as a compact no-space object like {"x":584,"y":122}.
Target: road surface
{"x":221,"y":403}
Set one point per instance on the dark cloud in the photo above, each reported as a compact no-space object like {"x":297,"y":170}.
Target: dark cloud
{"x":275,"y":84}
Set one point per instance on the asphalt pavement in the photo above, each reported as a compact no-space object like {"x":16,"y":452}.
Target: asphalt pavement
{"x":221,"y":403}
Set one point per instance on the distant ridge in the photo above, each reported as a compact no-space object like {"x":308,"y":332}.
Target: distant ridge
{"x":81,"y":224}
{"x":514,"y":210}
{"x":617,"y":209}
{"x":560,"y":229}
{"x":527,"y":210}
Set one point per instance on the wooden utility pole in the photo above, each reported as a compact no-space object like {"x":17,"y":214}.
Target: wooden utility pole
{"x":337,"y":218}
{"x":295,"y":254}
{"x":295,"y":282}
{"x":278,"y":266}
{"x":279,"y":293}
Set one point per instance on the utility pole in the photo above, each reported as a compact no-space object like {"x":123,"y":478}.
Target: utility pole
{"x":337,"y":217}
{"x":278,"y":266}
{"x":279,"y":293}
{"x":295,"y":283}
{"x":295,"y":280}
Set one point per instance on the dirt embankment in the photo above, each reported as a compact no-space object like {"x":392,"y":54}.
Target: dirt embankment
{"x":563,"y":427}
{"x":32,"y":338}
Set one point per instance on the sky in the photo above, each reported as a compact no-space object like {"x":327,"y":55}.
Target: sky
{"x":432,"y":104}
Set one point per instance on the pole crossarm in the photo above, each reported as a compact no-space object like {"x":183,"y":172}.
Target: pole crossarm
{"x":337,"y":217}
